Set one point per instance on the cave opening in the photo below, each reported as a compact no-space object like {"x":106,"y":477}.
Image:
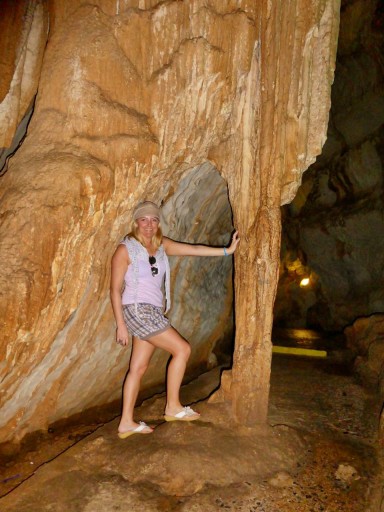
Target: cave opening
{"x":330,"y":229}
{"x":198,"y":211}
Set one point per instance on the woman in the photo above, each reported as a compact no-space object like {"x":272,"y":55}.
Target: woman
{"x":138,"y":267}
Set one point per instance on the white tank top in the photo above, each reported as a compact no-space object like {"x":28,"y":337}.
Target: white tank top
{"x":140,"y":284}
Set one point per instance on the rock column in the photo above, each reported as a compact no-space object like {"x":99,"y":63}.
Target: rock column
{"x":283,"y":128}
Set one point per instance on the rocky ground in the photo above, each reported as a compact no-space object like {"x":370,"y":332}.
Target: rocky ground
{"x":318,"y":453}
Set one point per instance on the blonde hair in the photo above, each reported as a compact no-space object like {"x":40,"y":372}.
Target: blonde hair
{"x":156,"y":239}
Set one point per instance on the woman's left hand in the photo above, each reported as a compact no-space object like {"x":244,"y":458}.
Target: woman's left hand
{"x":235,"y":240}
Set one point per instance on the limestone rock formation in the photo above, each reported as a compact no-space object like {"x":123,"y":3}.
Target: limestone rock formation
{"x":24,"y":32}
{"x":333,"y":228}
{"x":133,"y":97}
{"x":199,"y":210}
{"x":365,"y":339}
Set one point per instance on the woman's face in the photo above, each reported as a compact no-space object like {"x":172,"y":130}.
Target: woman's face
{"x":147,"y":226}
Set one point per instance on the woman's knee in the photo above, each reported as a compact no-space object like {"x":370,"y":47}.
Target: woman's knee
{"x":138,"y":370}
{"x":184,"y":350}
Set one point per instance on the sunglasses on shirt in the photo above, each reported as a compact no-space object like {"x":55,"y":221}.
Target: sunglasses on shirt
{"x":152,"y":262}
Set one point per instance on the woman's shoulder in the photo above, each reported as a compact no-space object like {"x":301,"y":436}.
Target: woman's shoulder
{"x":121,"y":255}
{"x":165,"y":242}
{"x":129,"y":241}
{"x":133,"y":246}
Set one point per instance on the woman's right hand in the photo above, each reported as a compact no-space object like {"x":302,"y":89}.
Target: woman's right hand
{"x":122,"y":337}
{"x":235,"y":240}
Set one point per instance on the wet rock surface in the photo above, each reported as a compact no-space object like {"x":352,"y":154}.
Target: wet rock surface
{"x":317,"y":453}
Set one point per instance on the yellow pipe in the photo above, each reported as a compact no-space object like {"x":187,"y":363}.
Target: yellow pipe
{"x":299,"y":351}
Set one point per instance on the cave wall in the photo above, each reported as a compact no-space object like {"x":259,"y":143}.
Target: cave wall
{"x":199,"y":210}
{"x":24,"y":33}
{"x":135,"y":98}
{"x":333,"y":229}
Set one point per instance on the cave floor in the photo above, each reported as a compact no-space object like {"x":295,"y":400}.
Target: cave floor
{"x":318,"y":452}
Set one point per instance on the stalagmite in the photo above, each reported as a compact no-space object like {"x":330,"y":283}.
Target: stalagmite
{"x":132,"y":97}
{"x":286,"y":101}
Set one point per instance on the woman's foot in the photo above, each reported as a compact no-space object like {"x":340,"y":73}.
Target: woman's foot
{"x":136,"y":428}
{"x":184,"y":414}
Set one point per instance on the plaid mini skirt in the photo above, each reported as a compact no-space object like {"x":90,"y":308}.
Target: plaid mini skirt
{"x":146,"y":321}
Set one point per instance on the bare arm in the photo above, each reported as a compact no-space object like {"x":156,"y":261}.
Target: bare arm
{"x":120,"y":262}
{"x":173,"y":248}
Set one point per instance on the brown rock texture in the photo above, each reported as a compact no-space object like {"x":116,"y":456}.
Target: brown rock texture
{"x":272,"y":156}
{"x":132,"y":97}
{"x":365,"y":338}
{"x":317,"y":452}
{"x":23,"y":36}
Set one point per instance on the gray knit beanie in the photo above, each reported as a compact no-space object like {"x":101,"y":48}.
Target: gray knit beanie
{"x":146,"y":208}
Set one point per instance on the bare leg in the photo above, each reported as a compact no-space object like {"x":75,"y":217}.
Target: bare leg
{"x":141,"y":355}
{"x":171,"y":341}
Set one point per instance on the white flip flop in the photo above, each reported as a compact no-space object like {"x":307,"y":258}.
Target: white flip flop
{"x":140,"y":429}
{"x":186,"y":414}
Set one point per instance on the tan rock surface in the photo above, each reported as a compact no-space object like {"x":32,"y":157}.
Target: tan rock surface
{"x":23,"y":35}
{"x":316,"y":433}
{"x":132,"y":95}
{"x":273,"y":155}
